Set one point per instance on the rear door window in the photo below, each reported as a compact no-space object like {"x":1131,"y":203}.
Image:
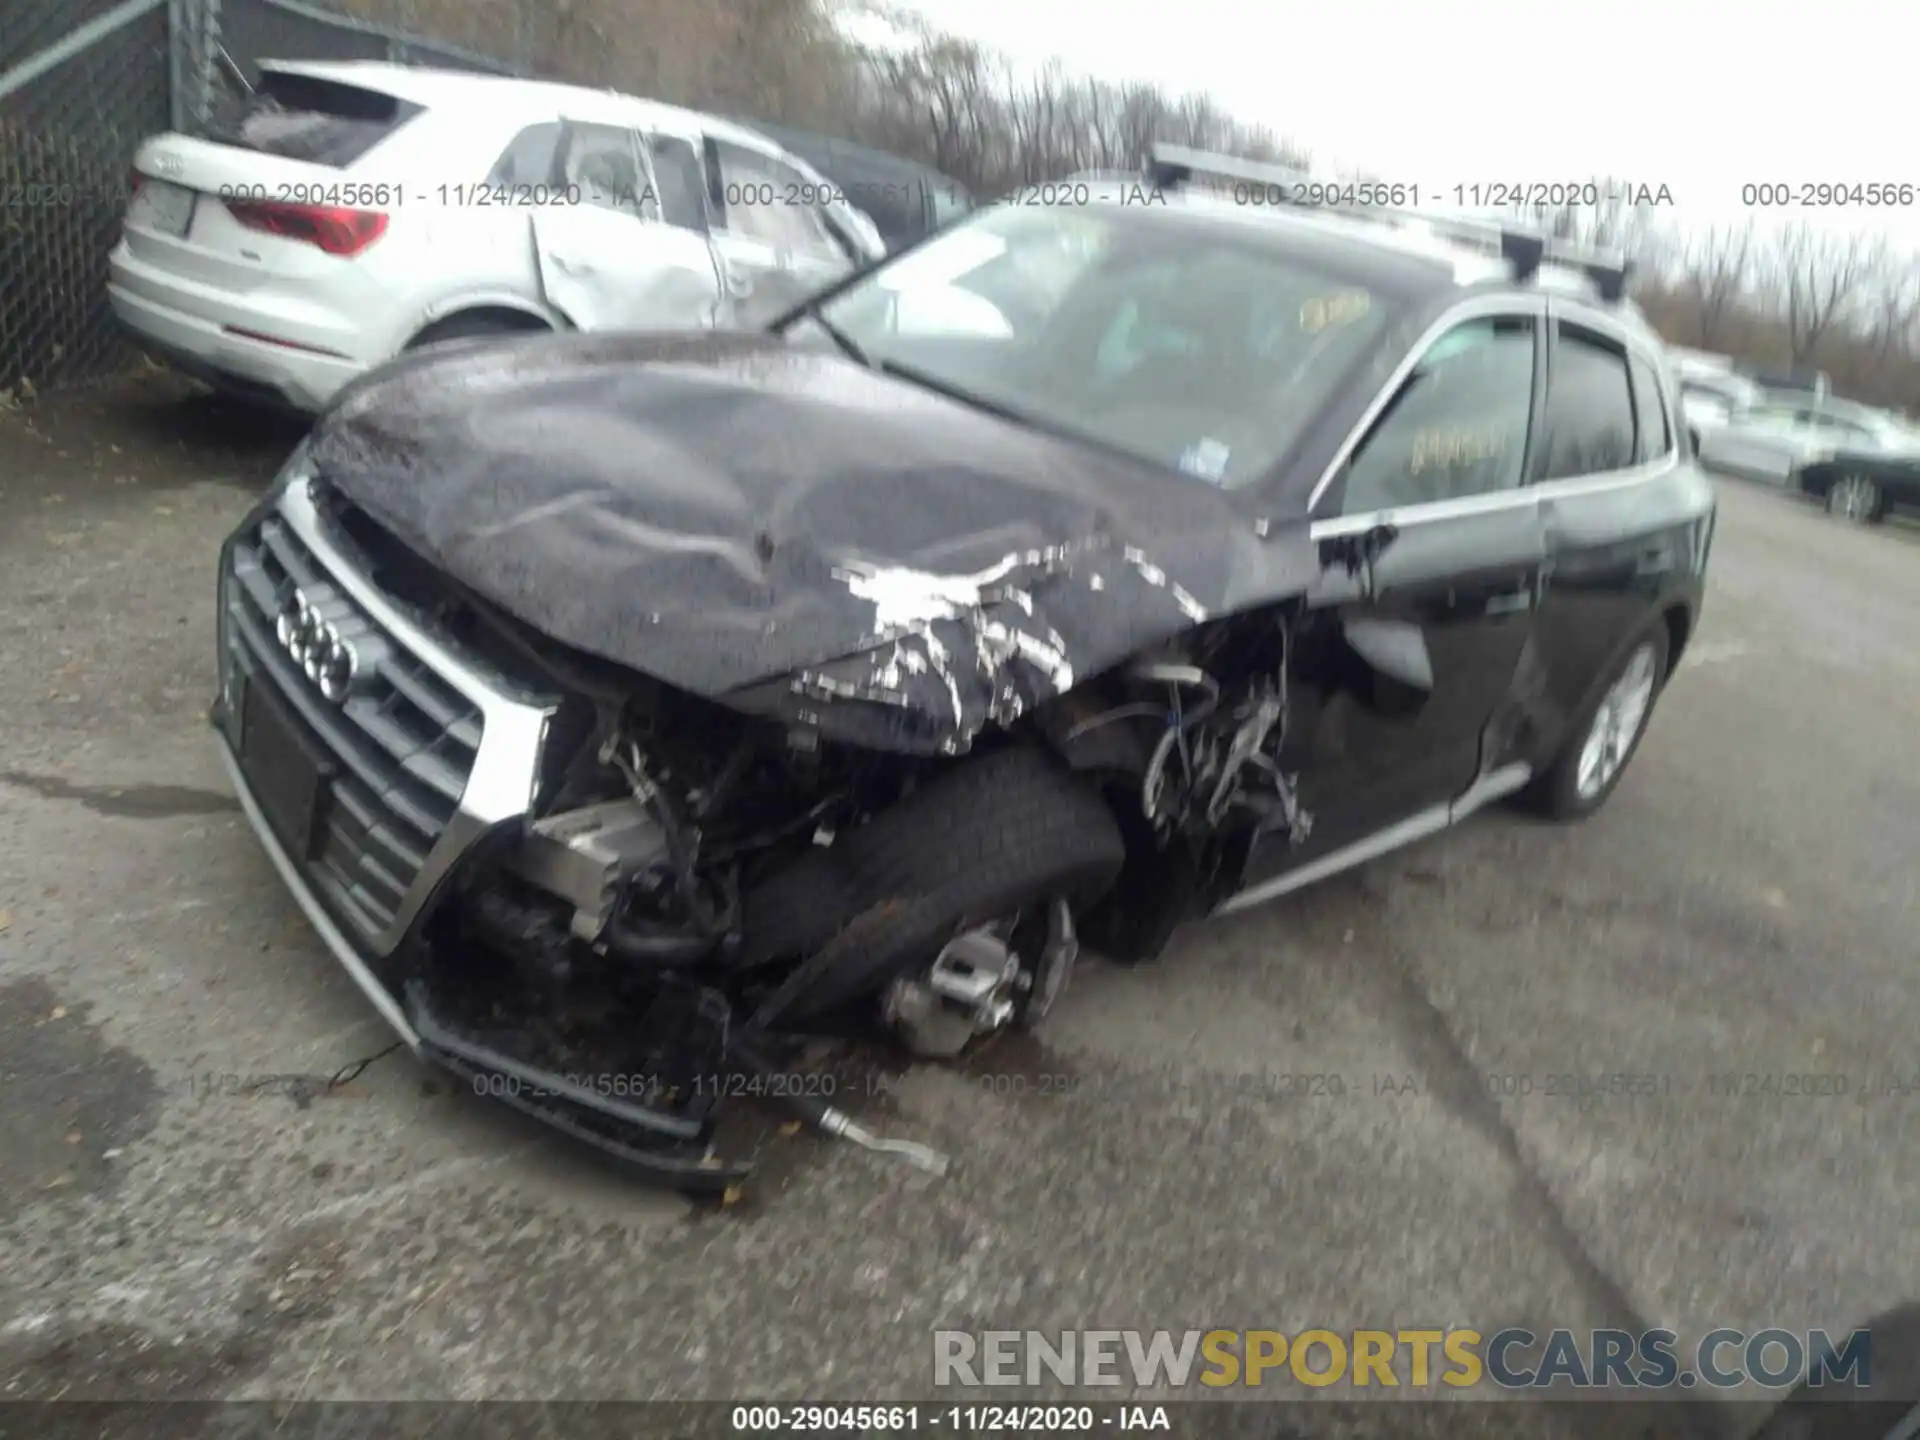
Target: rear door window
{"x":322,"y":122}
{"x":1589,"y":426}
{"x":682,"y":187}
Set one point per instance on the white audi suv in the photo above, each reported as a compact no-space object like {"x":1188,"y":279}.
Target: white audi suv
{"x":356,"y":210}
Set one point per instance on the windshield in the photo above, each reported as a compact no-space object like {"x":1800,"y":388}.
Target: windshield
{"x":303,"y":117}
{"x":1206,"y":353}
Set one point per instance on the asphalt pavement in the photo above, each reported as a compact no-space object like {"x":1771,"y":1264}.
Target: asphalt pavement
{"x":179,"y":1218}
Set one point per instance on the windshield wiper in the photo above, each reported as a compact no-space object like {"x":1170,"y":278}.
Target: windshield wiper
{"x":840,"y":337}
{"x":1006,"y":412}
{"x":955,"y":392}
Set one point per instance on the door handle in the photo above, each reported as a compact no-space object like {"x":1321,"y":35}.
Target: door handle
{"x":567,"y":265}
{"x":739,"y":286}
{"x":1512,"y":602}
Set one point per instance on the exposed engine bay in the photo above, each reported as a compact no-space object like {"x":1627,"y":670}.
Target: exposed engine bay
{"x":673,"y":912}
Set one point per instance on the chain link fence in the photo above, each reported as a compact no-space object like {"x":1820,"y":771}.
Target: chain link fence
{"x":82,"y":83}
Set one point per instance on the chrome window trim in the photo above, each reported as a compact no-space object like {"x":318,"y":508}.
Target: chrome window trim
{"x":1517,"y":307}
{"x":1526,"y":495}
{"x":505,"y":767}
{"x":1480,"y":307}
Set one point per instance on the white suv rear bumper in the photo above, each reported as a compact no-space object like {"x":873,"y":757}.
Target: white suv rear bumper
{"x":197,"y":325}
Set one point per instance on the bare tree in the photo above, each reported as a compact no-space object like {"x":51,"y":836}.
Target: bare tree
{"x":1892,"y":305}
{"x":1851,"y":304}
{"x":1817,"y":279}
{"x":963,"y":109}
{"x":1720,"y":266}
{"x":1605,"y":212}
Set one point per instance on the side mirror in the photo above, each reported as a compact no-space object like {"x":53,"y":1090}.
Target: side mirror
{"x":1395,"y":648}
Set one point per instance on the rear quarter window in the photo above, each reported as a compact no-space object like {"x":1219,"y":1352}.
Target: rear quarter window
{"x":321,"y":122}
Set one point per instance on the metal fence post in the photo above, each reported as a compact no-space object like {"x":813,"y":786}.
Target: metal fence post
{"x":180,"y":22}
{"x":398,"y":49}
{"x":206,"y":63}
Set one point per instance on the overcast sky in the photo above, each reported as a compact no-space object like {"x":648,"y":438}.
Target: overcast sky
{"x":1698,"y":95}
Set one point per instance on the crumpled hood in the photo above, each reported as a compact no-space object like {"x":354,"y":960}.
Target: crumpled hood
{"x":786,"y":530}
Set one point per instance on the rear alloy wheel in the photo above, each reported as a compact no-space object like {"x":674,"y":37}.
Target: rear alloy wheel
{"x":1616,"y":725}
{"x":1603,"y":741}
{"x":1854,"y":498}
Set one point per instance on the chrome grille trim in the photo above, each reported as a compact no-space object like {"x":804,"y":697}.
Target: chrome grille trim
{"x":430,"y":760}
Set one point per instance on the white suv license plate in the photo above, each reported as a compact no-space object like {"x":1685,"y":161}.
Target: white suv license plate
{"x":162,"y":206}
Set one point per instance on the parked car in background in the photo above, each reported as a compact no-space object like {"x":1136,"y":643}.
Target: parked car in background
{"x":1710,"y":401}
{"x":905,"y":199}
{"x":1860,"y":462}
{"x":1786,"y":384}
{"x":356,"y":210}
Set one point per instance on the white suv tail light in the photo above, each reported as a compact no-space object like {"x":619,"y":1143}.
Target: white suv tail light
{"x":335,"y":229}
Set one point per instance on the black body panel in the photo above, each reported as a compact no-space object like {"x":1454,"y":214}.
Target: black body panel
{"x":734,"y":515}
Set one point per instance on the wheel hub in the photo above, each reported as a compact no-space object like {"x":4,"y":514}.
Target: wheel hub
{"x":968,"y":991}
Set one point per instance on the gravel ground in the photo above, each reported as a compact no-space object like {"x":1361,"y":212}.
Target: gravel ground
{"x":1745,"y":906}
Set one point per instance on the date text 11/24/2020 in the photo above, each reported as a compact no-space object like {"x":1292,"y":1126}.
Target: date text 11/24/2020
{"x":385,"y":195}
{"x":1584,"y":1091}
{"x":1368,"y":194}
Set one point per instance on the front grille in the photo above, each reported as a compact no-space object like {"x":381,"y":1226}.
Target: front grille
{"x":402,"y":746}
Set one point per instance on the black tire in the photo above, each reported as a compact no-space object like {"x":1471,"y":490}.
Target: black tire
{"x":1555,"y":793}
{"x":986,"y":839}
{"x":474,"y":325}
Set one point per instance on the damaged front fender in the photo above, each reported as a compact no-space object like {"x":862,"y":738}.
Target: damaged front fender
{"x":952,"y":655}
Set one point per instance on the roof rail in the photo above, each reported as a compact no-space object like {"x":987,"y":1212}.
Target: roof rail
{"x":1526,"y":249}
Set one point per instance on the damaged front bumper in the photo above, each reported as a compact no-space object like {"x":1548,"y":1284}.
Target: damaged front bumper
{"x":374,"y":764}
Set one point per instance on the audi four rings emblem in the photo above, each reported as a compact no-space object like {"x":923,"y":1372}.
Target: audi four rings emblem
{"x":316,"y":647}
